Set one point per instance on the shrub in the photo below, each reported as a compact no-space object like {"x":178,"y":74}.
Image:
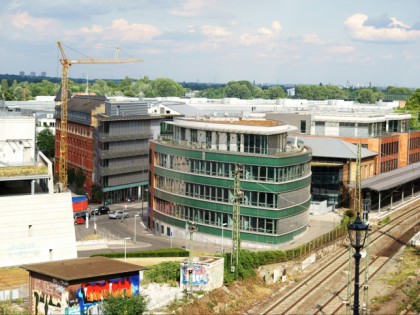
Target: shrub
{"x":163,"y":272}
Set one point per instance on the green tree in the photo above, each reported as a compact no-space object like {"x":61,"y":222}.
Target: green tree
{"x":100,"y":87}
{"x":45,"y":142}
{"x":79,"y":180}
{"x":122,"y":305}
{"x":275,"y":92}
{"x":365,"y":96}
{"x":71,"y":176}
{"x":412,"y":106}
{"x":239,"y":89}
{"x":166,"y":87}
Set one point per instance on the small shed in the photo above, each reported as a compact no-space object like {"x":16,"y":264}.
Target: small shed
{"x":202,"y":273}
{"x":78,"y":286}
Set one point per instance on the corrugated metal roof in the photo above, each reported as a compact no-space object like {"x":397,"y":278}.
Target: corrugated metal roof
{"x":391,"y":179}
{"x":85,"y":103}
{"x":83,"y":268}
{"x":184,"y":109}
{"x":334,"y":148}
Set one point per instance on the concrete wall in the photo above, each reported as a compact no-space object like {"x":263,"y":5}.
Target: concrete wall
{"x":17,"y":140}
{"x":36,"y":228}
{"x":206,"y":273}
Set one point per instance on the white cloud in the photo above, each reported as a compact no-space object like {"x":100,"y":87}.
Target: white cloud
{"x":276,"y":26}
{"x":215,"y":31}
{"x":119,"y":30}
{"x":342,"y":49}
{"x":23,"y":19}
{"x":188,"y":8}
{"x":396,"y":30}
{"x":309,"y":38}
{"x":263,"y":34}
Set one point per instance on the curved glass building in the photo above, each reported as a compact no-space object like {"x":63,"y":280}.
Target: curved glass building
{"x":192,"y":181}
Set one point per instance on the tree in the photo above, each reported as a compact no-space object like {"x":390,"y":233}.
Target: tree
{"x":122,"y":305}
{"x":275,"y":92}
{"x":166,"y":87}
{"x":239,"y":89}
{"x":413,"y":107}
{"x":365,"y":96}
{"x":79,"y":180}
{"x":71,"y":176}
{"x":45,"y":142}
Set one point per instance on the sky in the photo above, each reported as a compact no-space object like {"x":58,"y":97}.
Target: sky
{"x":337,"y":42}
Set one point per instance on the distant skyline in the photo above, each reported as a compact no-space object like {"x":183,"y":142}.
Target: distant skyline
{"x":216,"y":41}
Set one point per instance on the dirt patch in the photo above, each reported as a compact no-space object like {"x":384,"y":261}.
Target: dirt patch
{"x":13,"y":277}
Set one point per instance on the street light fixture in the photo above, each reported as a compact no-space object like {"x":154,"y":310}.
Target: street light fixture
{"x":135,"y":227}
{"x":357,"y":234}
{"x":125,"y":247}
{"x":223,"y":249}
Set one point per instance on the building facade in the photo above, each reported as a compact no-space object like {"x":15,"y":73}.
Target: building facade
{"x":122,"y":150}
{"x":80,"y":135}
{"x":192,"y":180}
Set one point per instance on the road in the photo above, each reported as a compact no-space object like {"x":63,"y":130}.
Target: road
{"x":132,"y":227}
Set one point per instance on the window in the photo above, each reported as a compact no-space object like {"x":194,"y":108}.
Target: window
{"x":303,"y":126}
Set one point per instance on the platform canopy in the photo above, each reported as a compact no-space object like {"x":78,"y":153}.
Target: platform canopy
{"x":391,"y":179}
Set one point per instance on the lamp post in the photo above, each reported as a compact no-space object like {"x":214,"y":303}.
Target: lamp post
{"x":125,"y":247}
{"x":223,"y":249}
{"x":357,"y":234}
{"x":135,"y":228}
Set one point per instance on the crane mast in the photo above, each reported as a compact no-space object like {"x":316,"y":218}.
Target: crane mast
{"x":66,"y":63}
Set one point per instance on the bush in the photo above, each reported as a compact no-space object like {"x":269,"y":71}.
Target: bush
{"x":166,"y":252}
{"x":117,"y":305}
{"x":163,"y":272}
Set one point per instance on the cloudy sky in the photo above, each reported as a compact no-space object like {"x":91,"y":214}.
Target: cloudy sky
{"x":268,"y":41}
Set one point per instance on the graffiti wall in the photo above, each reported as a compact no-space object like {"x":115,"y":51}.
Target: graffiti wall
{"x":48,"y":296}
{"x":84,"y":298}
{"x":205,"y":273}
{"x":198,"y":272}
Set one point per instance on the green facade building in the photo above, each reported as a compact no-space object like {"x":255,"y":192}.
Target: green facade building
{"x":192,"y":181}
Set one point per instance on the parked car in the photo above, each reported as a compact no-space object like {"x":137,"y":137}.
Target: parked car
{"x":100,"y":210}
{"x":80,"y":217}
{"x":119,"y":214}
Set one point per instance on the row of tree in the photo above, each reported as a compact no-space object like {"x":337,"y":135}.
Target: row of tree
{"x":164,"y":87}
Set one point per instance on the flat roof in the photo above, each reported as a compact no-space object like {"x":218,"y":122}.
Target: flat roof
{"x":237,"y":125}
{"x":82,"y":268}
{"x":391,"y":179}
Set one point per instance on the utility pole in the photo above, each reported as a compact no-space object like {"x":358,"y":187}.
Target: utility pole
{"x":236,"y":223}
{"x":191,"y":229}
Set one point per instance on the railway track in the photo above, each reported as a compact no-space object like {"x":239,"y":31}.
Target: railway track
{"x":324,"y":291}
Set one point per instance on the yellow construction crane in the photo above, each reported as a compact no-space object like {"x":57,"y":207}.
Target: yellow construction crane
{"x":66,"y":63}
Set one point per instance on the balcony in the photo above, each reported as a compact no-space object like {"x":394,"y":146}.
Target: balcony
{"x":107,"y":137}
{"x":113,"y":154}
{"x":114,"y":170}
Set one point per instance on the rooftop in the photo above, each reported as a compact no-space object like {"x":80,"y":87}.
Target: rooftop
{"x":82,"y":268}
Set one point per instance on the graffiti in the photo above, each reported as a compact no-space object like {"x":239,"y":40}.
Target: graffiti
{"x":84,"y":299}
{"x":199,"y":274}
{"x":59,"y":285}
{"x":46,"y":303}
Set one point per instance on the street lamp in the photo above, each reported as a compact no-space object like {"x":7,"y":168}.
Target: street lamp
{"x":125,"y":247}
{"x":223,"y":224}
{"x":135,"y":228}
{"x":357,"y":234}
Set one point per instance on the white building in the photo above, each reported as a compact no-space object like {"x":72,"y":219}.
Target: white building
{"x":37,"y":225}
